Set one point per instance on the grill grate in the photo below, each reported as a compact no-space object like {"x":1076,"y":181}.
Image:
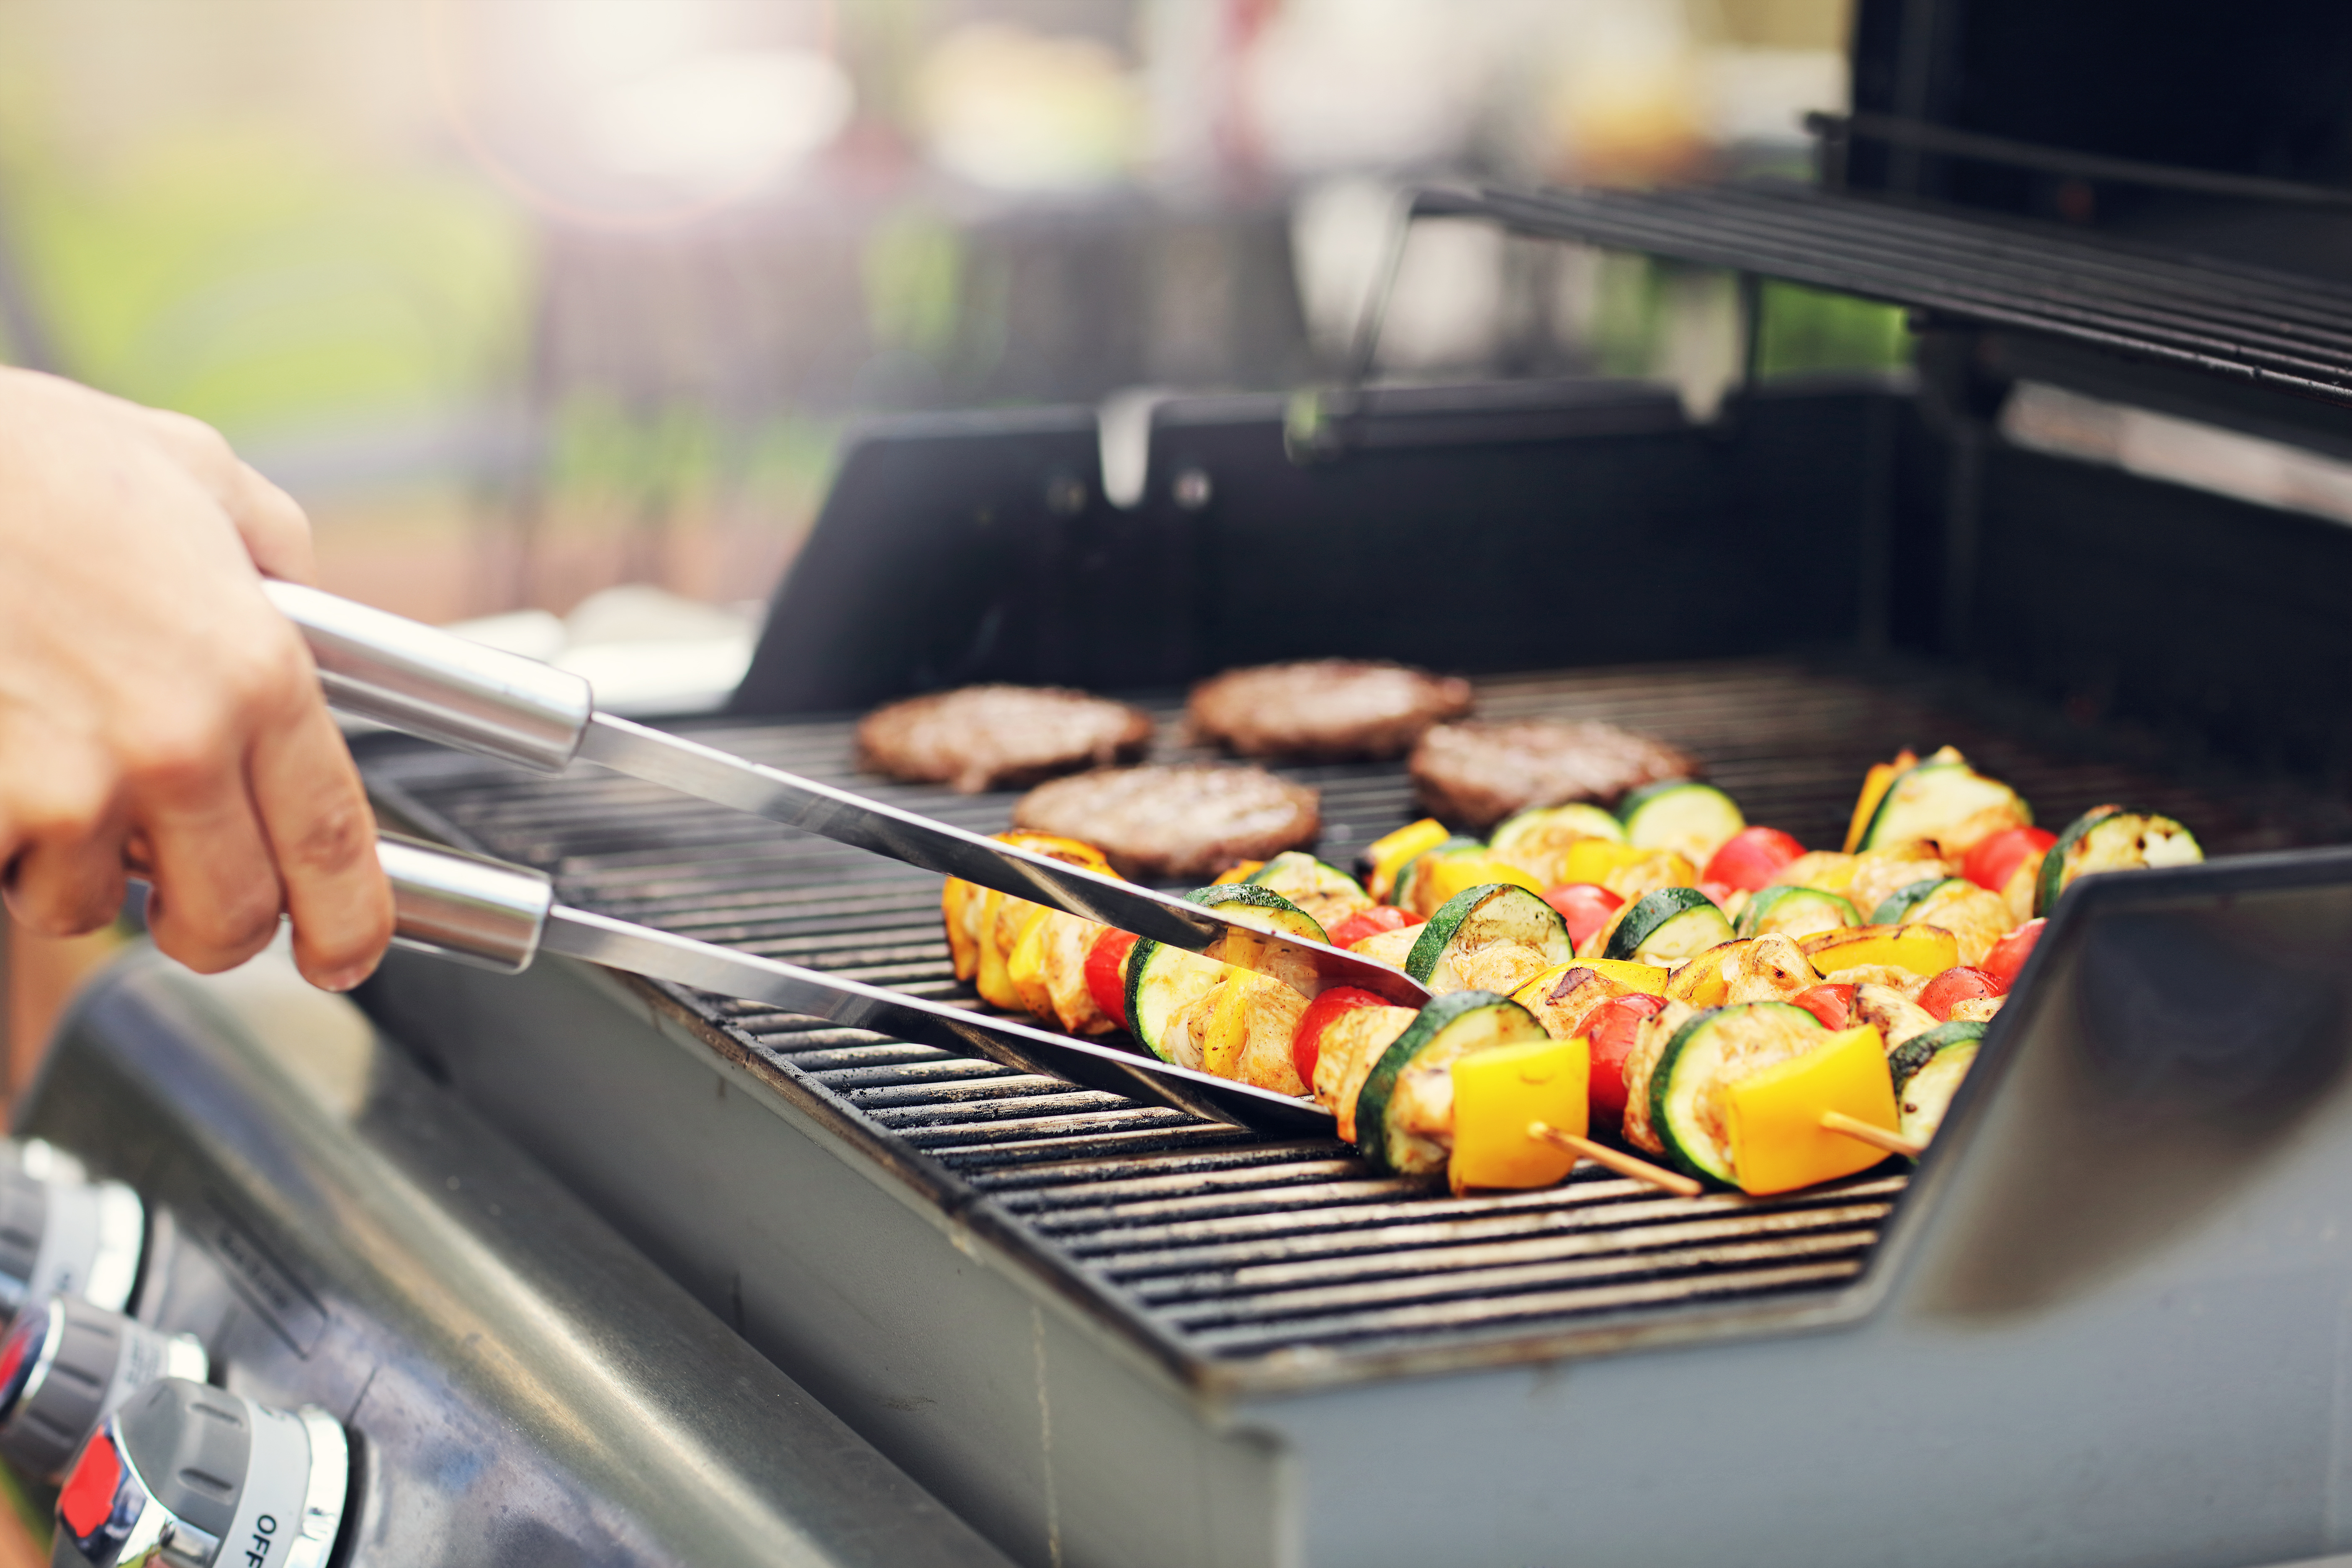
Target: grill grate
{"x":1218,"y":1246}
{"x":2246,"y":322}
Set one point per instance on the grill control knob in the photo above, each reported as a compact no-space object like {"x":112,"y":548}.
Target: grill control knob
{"x":66,"y":1236}
{"x":66,"y":1365}
{"x":192,"y":1476}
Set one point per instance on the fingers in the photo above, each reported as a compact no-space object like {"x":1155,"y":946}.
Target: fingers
{"x":275,"y":532}
{"x":315,"y":814}
{"x":215,"y":896}
{"x":62,"y":862}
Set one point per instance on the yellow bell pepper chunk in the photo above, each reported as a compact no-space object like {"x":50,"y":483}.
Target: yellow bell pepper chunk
{"x":1387,"y":854}
{"x":1497,"y":1093}
{"x":1875,"y":786}
{"x":1774,"y":1116}
{"x":1240,"y":873}
{"x":1459,"y":874}
{"x":1921,"y":948}
{"x":994,"y":981}
{"x":1591,"y":860}
{"x":1024,"y":968}
{"x":1647,"y":978}
{"x":964,"y":945}
{"x":1702,"y":982}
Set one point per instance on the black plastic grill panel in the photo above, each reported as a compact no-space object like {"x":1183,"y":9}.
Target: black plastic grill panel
{"x":1218,"y":1246}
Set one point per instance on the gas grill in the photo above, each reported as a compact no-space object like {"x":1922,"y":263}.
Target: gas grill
{"x":2104,"y":1319}
{"x":2101,"y":1323}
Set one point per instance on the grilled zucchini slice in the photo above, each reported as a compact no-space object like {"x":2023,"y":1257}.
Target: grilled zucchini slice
{"x":1163,"y":981}
{"x":1536,"y":839}
{"x":1668,"y":926}
{"x":1943,"y":799}
{"x":1682,"y":815}
{"x":1903,"y":900}
{"x":1686,"y":1106}
{"x":1298,"y":876}
{"x":1797,"y":912}
{"x":1929,"y":1070}
{"x":2111,"y":838}
{"x":1404,"y":1112}
{"x":1480,"y":918}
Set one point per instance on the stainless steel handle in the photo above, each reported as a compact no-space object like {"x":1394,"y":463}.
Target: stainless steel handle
{"x":483,"y":912}
{"x":428,"y":682}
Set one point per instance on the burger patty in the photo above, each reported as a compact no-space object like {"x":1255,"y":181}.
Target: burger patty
{"x":999,"y":737}
{"x":1325,"y":710}
{"x":1168,"y":824}
{"x":1473,"y":775}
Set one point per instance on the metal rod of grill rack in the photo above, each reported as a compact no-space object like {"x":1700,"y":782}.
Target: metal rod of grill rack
{"x":1921,"y":273}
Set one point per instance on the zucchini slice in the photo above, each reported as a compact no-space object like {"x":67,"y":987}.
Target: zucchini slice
{"x":2111,"y":838}
{"x":1929,"y":1070}
{"x":1682,"y":815}
{"x":1163,"y":981}
{"x":1797,"y":912}
{"x":1668,"y":926}
{"x":1297,"y":875}
{"x":1536,"y":839}
{"x":1943,"y":799}
{"x":1715,"y":1048}
{"x":1477,"y":918}
{"x":1404,"y":1112}
{"x":1903,"y":900}
{"x":1920,"y":1049}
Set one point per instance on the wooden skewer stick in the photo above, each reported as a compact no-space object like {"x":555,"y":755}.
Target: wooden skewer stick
{"x":1877,"y":1137}
{"x":1623,"y":1163}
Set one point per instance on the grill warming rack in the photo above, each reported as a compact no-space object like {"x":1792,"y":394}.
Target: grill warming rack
{"x":1234,"y":1256}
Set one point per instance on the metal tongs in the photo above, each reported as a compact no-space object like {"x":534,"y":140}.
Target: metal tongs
{"x":500,"y":916}
{"x":440,"y":687}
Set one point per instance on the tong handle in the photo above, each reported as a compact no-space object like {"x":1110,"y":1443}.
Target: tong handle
{"x":483,"y":912}
{"x":434,"y":684}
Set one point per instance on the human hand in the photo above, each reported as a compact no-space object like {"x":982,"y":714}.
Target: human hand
{"x":155,"y":711}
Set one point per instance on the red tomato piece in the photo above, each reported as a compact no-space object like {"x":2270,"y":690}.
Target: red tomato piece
{"x":1958,"y":983}
{"x":1585,"y":906}
{"x":2009,"y":954}
{"x":1106,"y":974}
{"x":1611,"y":1029}
{"x":1751,"y":857}
{"x":1719,"y":892}
{"x":1372,"y":923}
{"x":1306,"y":1040}
{"x":1996,"y":859}
{"x":1832,"y":1005}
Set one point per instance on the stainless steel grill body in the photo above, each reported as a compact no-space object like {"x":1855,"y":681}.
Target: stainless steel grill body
{"x":1108,"y":1333}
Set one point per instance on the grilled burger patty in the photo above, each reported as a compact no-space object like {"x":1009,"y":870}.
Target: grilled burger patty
{"x":999,"y":737}
{"x":1328,"y":709}
{"x":1181,"y":823}
{"x":1476,"y":774}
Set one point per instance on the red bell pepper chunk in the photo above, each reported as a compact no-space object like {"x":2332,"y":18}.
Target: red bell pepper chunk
{"x":1832,"y":1005}
{"x":1372,"y":923}
{"x":1585,"y":906}
{"x":1750,"y":859}
{"x":1996,"y":859}
{"x":1611,"y":1030}
{"x":1107,"y":975}
{"x":1306,"y":1040}
{"x":1958,"y":983}
{"x":2009,"y":954}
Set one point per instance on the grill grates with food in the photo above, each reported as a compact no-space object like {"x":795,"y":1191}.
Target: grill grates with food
{"x":1220,"y":1245}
